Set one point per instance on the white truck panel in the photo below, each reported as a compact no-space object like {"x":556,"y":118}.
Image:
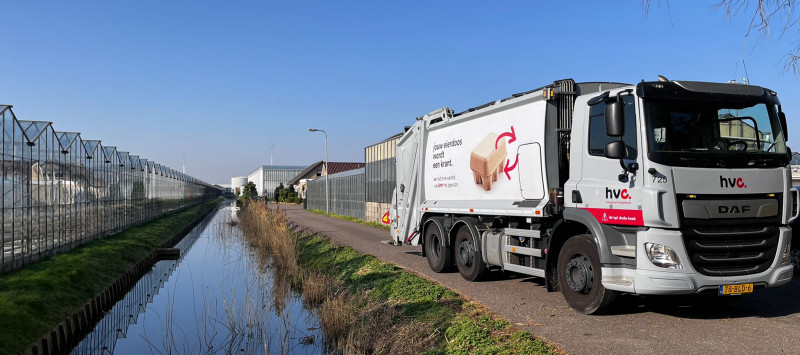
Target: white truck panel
{"x":449,"y":160}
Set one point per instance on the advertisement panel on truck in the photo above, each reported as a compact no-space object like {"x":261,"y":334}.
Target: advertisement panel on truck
{"x":484,"y":158}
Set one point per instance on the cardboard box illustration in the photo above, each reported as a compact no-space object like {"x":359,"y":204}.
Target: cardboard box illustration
{"x":486,"y":161}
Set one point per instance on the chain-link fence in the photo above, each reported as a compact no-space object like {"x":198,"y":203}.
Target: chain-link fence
{"x":59,"y":190}
{"x":346,"y":193}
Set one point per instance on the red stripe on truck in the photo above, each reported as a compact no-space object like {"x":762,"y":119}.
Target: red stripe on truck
{"x":617,"y":216}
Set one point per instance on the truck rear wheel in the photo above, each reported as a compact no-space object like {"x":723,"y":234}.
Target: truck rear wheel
{"x":579,"y":276}
{"x":437,"y":254}
{"x":468,"y":258}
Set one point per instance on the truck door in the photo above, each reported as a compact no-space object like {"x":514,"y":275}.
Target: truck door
{"x":609,"y":194}
{"x":406,"y":190}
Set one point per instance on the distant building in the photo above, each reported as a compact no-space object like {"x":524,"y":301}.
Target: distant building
{"x":226,"y":188}
{"x":268,"y":177}
{"x":317,"y":170}
{"x":237,"y":184}
{"x":380,"y":177}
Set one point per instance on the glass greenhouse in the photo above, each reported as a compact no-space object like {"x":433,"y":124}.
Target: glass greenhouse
{"x":60,"y":190}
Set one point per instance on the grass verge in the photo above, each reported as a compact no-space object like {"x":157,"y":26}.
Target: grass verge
{"x":369,"y":306}
{"x":352,"y":219}
{"x":37,"y":298}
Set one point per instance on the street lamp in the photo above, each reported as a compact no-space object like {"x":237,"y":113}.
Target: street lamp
{"x":327,"y":172}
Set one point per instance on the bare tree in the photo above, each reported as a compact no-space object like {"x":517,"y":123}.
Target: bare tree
{"x":765,"y":15}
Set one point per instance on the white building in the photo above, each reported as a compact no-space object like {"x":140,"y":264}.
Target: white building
{"x":238,"y":183}
{"x":268,"y":177}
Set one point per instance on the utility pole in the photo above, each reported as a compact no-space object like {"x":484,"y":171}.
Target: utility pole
{"x":327,"y":172}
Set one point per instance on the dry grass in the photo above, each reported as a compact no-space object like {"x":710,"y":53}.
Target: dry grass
{"x":268,"y":230}
{"x":369,"y":307}
{"x":317,"y":287}
{"x":336,"y":314}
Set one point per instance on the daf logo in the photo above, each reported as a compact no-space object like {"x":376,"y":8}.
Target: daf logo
{"x":734,"y":209}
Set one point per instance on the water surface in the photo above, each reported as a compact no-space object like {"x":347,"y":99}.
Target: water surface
{"x":219,"y":297}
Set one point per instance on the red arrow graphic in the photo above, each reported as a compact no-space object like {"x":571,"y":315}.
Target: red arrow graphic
{"x":506,"y":134}
{"x":509,"y":168}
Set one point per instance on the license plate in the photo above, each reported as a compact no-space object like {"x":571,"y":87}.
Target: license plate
{"x":735,"y":289}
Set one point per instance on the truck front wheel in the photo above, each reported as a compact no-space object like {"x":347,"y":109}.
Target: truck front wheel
{"x":794,"y":258}
{"x":579,"y":276}
{"x":468,"y":258}
{"x":437,"y":254}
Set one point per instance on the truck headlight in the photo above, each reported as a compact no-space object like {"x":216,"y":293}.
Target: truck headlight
{"x":663,"y":256}
{"x":786,"y":252}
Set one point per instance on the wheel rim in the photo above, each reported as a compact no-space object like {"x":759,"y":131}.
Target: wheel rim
{"x":465,"y":253}
{"x":579,"y":274}
{"x":435,"y":248}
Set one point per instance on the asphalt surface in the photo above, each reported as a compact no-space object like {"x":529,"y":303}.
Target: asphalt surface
{"x":765,"y":322}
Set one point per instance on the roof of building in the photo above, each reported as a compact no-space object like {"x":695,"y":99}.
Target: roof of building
{"x":338,"y":167}
{"x":347,"y":173}
{"x":333,"y":168}
{"x":278,"y":167}
{"x":396,"y":136}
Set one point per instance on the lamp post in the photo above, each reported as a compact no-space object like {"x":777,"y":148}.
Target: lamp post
{"x":327,"y":194}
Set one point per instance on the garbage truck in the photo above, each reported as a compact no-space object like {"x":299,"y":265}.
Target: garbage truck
{"x":659,"y":188}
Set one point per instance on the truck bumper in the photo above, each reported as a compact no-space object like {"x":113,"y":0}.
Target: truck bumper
{"x":650,"y":279}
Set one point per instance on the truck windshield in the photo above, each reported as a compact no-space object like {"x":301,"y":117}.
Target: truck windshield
{"x":714,"y":134}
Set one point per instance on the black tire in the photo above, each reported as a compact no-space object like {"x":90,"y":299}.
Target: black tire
{"x":468,"y":258}
{"x":579,"y":276}
{"x":794,"y":258}
{"x":437,"y":254}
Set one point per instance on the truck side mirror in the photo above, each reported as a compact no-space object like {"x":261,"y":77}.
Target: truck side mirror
{"x":615,"y":119}
{"x":615,"y":150}
{"x":782,"y":117}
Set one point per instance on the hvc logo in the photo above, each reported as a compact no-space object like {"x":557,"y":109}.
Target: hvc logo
{"x":617,"y":194}
{"x":725,"y":182}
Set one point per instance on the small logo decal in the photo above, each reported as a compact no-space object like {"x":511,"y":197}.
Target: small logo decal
{"x":726,"y":182}
{"x":617,"y":194}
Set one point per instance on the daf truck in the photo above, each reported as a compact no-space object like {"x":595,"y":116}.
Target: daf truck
{"x":659,"y":188}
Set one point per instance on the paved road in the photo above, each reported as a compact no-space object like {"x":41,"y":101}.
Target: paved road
{"x":766,"y":322}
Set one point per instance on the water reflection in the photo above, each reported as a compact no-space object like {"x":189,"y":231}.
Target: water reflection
{"x":219,"y":297}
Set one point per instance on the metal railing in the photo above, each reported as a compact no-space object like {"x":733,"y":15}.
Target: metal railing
{"x":59,"y":190}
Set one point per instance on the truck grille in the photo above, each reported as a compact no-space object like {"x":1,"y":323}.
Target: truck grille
{"x":731,"y":252}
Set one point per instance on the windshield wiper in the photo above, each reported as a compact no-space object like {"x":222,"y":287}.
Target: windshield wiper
{"x":700,"y":161}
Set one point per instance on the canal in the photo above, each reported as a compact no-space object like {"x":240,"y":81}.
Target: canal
{"x":220,"y":296}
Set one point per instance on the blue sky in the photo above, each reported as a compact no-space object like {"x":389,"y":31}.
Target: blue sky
{"x":224,"y":83}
